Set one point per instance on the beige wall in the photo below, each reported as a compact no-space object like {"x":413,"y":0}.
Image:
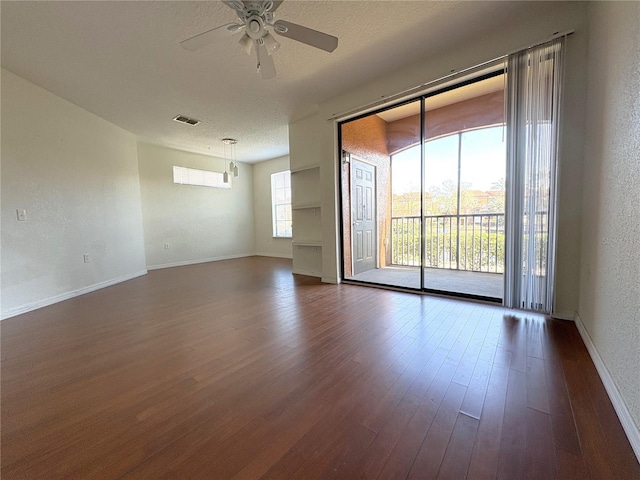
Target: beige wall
{"x":313,"y":138}
{"x":76,"y":175}
{"x":199,"y":223}
{"x":265,"y":243}
{"x":88,"y":188}
{"x":610,"y":264}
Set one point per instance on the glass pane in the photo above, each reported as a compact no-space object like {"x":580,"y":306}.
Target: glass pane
{"x":405,"y":208}
{"x":287,"y":229}
{"x":482,"y":171}
{"x":482,"y":199}
{"x":281,"y":212}
{"x":279,"y":180}
{"x":280,"y":196}
{"x":382,"y":175}
{"x":283,"y":228}
{"x":464,"y":171}
{"x":441,"y":176}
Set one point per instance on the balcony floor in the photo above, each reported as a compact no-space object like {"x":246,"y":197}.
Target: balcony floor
{"x":458,"y":281}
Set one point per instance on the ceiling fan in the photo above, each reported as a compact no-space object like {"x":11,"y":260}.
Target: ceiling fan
{"x":256,"y":21}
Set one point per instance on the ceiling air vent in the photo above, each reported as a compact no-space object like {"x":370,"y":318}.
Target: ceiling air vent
{"x":187,"y":120}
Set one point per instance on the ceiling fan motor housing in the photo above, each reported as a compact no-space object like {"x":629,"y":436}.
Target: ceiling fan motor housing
{"x":255,"y":27}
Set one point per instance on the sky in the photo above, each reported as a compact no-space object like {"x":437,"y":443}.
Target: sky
{"x":482,"y":163}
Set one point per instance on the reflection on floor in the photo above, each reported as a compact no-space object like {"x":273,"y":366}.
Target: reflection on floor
{"x":458,"y":281}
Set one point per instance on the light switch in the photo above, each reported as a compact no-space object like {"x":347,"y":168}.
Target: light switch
{"x":22,"y":215}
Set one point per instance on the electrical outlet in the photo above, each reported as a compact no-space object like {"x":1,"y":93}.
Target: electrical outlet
{"x":167,"y":246}
{"x":86,"y":258}
{"x":22,"y":215}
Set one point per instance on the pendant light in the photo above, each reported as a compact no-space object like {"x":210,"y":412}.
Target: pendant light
{"x":233,"y":169}
{"x":235,"y":162}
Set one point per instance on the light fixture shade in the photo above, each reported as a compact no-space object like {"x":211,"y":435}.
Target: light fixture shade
{"x":235,"y":171}
{"x":270,"y":43}
{"x":246,"y":42}
{"x":231,"y":165}
{"x":225,"y":177}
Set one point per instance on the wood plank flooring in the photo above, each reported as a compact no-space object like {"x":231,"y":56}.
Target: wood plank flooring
{"x":239,"y":370}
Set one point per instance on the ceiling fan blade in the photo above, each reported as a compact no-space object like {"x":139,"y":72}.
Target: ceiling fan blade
{"x":320,"y":40}
{"x":235,"y":4}
{"x":276,"y":4}
{"x":210,"y":36}
{"x":265,"y":63}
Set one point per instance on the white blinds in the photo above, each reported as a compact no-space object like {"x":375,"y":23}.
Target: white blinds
{"x":534,"y":87}
{"x":202,"y":178}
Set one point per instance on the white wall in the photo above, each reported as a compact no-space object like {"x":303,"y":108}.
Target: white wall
{"x":199,"y":223}
{"x":313,"y":139}
{"x":266,"y":244}
{"x":610,"y":275}
{"x":76,"y":175}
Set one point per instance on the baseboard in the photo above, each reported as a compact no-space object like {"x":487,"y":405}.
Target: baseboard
{"x":66,"y":296}
{"x":628,"y":424}
{"x":564,"y":315}
{"x":273,"y":255}
{"x":308,"y":273}
{"x":200,"y":260}
{"x":333,"y":280}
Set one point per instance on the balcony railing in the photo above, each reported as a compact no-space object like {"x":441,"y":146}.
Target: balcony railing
{"x":473,"y":242}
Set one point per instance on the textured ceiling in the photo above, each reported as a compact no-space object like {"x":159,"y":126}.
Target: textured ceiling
{"x":122,"y":61}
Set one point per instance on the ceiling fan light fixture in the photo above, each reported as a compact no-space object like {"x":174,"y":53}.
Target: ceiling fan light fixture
{"x":246,"y":42}
{"x":270,"y":43}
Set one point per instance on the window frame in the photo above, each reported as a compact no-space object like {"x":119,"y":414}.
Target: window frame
{"x":275,"y":204}
{"x":199,"y":178}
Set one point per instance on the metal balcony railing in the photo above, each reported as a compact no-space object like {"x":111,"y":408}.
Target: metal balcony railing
{"x":473,"y":242}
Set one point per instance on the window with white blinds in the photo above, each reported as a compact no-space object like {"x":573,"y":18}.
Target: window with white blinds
{"x":202,"y":178}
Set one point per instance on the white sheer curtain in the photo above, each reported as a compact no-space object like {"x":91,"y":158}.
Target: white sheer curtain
{"x":534,"y":88}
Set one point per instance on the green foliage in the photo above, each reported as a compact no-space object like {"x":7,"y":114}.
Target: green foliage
{"x":473,"y":242}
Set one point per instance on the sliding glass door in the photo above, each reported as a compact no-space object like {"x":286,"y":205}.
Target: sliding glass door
{"x":381,"y":197}
{"x":439,"y":167}
{"x":464,"y":213}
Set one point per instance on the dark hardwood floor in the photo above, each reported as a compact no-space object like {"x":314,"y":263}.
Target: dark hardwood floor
{"x":237,"y":369}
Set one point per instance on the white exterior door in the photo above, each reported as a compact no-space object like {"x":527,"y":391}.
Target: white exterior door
{"x":363,"y":216}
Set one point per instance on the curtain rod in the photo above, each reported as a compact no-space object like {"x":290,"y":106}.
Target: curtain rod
{"x":452,"y":76}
